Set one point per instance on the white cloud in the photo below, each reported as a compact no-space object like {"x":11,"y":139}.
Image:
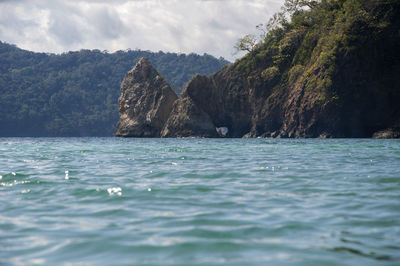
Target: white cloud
{"x":200,"y":26}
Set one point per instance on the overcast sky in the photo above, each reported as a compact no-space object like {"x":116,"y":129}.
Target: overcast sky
{"x":199,"y":26}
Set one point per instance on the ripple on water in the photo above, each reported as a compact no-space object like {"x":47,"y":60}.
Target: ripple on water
{"x":369,"y":254}
{"x":199,"y":201}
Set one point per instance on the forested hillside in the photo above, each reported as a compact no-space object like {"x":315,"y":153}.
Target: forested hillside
{"x":76,"y":93}
{"x":332,"y":69}
{"x":325,"y":68}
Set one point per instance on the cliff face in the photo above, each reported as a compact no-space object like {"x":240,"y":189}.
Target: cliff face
{"x":336,"y":76}
{"x":348,"y":85}
{"x":334,"y":71}
{"x":145,"y":102}
{"x":188,"y":120}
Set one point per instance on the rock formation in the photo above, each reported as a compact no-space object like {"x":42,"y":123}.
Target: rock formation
{"x":390,"y":133}
{"x":310,"y":80}
{"x":188,"y":120}
{"x":145,"y":102}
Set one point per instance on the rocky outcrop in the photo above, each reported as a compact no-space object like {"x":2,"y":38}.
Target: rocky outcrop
{"x":390,"y":133}
{"x":247,"y":106}
{"x":308,"y":80}
{"x":321,"y":84}
{"x":145,"y":103}
{"x":188,"y":120}
{"x":211,"y":103}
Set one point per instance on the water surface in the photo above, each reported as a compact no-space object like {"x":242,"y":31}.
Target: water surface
{"x":108,"y":201}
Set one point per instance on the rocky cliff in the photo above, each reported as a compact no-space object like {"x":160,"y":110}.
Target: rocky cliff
{"x":334,"y":71}
{"x":145,"y":102}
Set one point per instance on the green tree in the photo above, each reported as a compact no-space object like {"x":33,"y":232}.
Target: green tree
{"x":247,"y":43}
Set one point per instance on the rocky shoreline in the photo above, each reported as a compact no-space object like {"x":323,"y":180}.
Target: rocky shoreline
{"x":242,"y":106}
{"x":332,"y":71}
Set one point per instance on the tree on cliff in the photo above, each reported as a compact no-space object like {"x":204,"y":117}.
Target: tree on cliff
{"x":281,"y":19}
{"x":247,"y":43}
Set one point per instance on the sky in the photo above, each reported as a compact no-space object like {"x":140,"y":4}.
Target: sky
{"x":181,"y":26}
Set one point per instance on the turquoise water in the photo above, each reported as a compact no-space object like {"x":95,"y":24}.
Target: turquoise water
{"x":108,"y":201}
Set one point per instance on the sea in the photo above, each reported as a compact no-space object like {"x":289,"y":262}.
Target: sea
{"x":195,"y":201}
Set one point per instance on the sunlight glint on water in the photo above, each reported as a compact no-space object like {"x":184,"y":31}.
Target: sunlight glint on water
{"x":199,"y":201}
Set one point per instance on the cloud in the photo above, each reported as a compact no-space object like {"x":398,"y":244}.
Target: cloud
{"x":106,"y":23}
{"x":66,"y":29}
{"x":200,"y":26}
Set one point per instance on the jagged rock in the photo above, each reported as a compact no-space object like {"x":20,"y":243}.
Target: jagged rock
{"x":188,"y":117}
{"x":208,"y":103}
{"x":188,"y":120}
{"x":224,"y":98}
{"x":145,"y":103}
{"x":390,"y":133}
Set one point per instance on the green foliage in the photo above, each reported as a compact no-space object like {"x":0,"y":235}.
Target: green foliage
{"x":270,"y":73}
{"x":295,"y":72}
{"x":247,"y":43}
{"x":308,"y":44}
{"x":76,"y":93}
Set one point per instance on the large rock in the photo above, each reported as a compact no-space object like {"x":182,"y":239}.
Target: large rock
{"x":224,"y":97}
{"x":209,"y":103}
{"x":188,"y":119}
{"x":145,"y":103}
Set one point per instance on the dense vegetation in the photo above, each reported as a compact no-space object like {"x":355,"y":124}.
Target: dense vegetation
{"x":343,"y":53}
{"x":76,"y":93}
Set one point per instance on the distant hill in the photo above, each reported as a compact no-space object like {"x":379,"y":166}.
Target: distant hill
{"x":76,"y":93}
